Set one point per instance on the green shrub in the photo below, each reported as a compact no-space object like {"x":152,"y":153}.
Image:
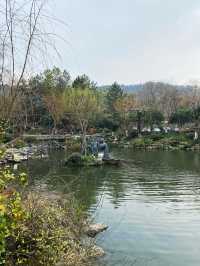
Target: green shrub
{"x":38,"y":230}
{"x":87,"y":159}
{"x":12,"y":214}
{"x":51,"y":234}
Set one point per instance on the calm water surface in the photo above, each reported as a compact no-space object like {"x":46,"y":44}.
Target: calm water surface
{"x":151,"y":204}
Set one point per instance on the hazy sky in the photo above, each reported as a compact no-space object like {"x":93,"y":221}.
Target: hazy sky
{"x":131,"y":41}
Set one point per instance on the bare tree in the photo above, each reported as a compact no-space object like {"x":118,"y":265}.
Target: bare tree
{"x":124,"y":106}
{"x":22,"y":40}
{"x":161,"y":97}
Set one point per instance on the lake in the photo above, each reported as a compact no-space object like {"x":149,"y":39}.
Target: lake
{"x":151,"y":204}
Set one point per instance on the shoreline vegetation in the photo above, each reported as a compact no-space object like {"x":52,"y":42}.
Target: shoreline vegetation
{"x":25,"y":148}
{"x":171,"y":142}
{"x":43,"y":228}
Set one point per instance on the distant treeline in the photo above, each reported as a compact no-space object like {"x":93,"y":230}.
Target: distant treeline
{"x":52,"y":101}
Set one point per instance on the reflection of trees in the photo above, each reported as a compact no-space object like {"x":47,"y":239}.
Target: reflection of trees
{"x":157,"y":175}
{"x":87,"y":184}
{"x":116,"y":186}
{"x":166,"y":176}
{"x":83,"y":183}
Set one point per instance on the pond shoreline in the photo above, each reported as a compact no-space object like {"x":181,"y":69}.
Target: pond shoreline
{"x":143,"y":202}
{"x":158,"y":142}
{"x":158,"y":146}
{"x":20,"y":150}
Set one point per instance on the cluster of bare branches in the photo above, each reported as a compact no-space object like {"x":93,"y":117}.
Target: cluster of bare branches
{"x":168,"y":98}
{"x":23,"y":42}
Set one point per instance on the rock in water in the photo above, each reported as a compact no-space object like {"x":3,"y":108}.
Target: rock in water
{"x":95,"y":229}
{"x":74,"y":159}
{"x":97,"y":252}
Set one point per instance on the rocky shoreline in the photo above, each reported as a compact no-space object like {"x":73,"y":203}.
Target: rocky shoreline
{"x":156,"y":146}
{"x":18,"y":155}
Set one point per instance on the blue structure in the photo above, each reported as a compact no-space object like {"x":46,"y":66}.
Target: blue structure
{"x":99,"y":146}
{"x":103,"y":147}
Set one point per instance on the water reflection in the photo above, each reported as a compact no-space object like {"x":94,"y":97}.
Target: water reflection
{"x":151,"y":203}
{"x":159,"y":176}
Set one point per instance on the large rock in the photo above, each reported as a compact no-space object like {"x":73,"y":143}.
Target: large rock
{"x":97,"y":252}
{"x":74,"y":159}
{"x":95,"y":229}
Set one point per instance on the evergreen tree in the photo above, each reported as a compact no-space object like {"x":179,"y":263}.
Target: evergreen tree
{"x":83,"y":82}
{"x":115,"y":92}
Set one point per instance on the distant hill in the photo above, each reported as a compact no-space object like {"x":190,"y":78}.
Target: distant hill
{"x":132,"y":88}
{"x":137,"y":87}
{"x":127,"y":88}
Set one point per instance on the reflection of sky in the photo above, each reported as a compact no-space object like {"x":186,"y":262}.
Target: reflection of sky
{"x":130,"y":40}
{"x":143,"y":234}
{"x":156,"y":222}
